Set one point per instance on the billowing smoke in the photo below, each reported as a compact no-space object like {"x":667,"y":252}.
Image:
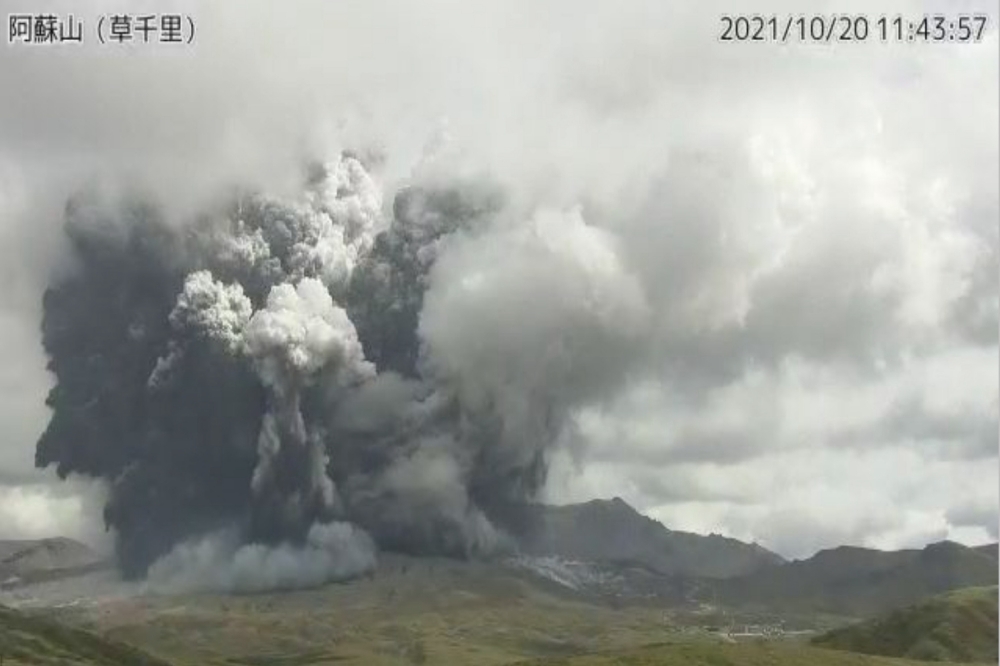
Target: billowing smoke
{"x":222,"y":562}
{"x":278,"y":388}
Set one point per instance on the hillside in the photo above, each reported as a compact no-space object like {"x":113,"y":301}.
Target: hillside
{"x":716,"y":654}
{"x":434,"y":611}
{"x":26,"y":639}
{"x":959,"y":626}
{"x":861,"y":582}
{"x":37,"y":560}
{"x":611,"y":530}
{"x":413,"y":610}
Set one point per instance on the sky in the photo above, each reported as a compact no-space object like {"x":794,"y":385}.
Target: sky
{"x":809,"y":231}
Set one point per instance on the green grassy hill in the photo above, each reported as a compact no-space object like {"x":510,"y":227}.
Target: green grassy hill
{"x":708,"y":654}
{"x":960,"y":626}
{"x":25,"y":639}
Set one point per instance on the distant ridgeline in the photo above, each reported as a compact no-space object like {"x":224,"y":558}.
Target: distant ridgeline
{"x":861,"y":582}
{"x":611,"y":530}
{"x":30,"y":561}
{"x":847,"y":581}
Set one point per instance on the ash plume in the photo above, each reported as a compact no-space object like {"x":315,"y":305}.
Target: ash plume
{"x":281,"y":387}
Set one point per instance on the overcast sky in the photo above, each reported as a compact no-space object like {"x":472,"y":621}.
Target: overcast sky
{"x":814,"y":229}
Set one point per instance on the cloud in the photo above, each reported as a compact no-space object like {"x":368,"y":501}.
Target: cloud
{"x":976,"y":512}
{"x":800,"y":243}
{"x":805,"y":457}
{"x":30,"y":510}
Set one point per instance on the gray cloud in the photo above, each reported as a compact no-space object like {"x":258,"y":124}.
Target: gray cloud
{"x":964,"y":435}
{"x":801,"y":243}
{"x":979,"y":513}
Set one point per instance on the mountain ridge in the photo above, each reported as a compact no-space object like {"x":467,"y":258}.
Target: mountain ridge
{"x":612,"y":530}
{"x":24,"y":561}
{"x":863,"y":582}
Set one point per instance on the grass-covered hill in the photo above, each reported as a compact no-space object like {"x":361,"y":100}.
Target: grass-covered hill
{"x":717,"y":654}
{"x":958,"y":626}
{"x":26,"y":639}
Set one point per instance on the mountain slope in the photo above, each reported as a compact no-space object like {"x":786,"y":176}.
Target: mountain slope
{"x":44,"y":559}
{"x":25,"y":639}
{"x":412,"y":610}
{"x":862,"y":582}
{"x":611,"y":530}
{"x":959,"y":626}
{"x":54,"y":553}
{"x":989,"y":549}
{"x":773,"y":653}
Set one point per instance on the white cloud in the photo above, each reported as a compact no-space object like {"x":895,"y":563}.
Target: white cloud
{"x":37,"y":510}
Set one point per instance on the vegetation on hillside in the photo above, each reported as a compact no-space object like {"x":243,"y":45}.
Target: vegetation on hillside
{"x":958,"y":626}
{"x":717,"y":654}
{"x":26,"y":639}
{"x":611,"y":530}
